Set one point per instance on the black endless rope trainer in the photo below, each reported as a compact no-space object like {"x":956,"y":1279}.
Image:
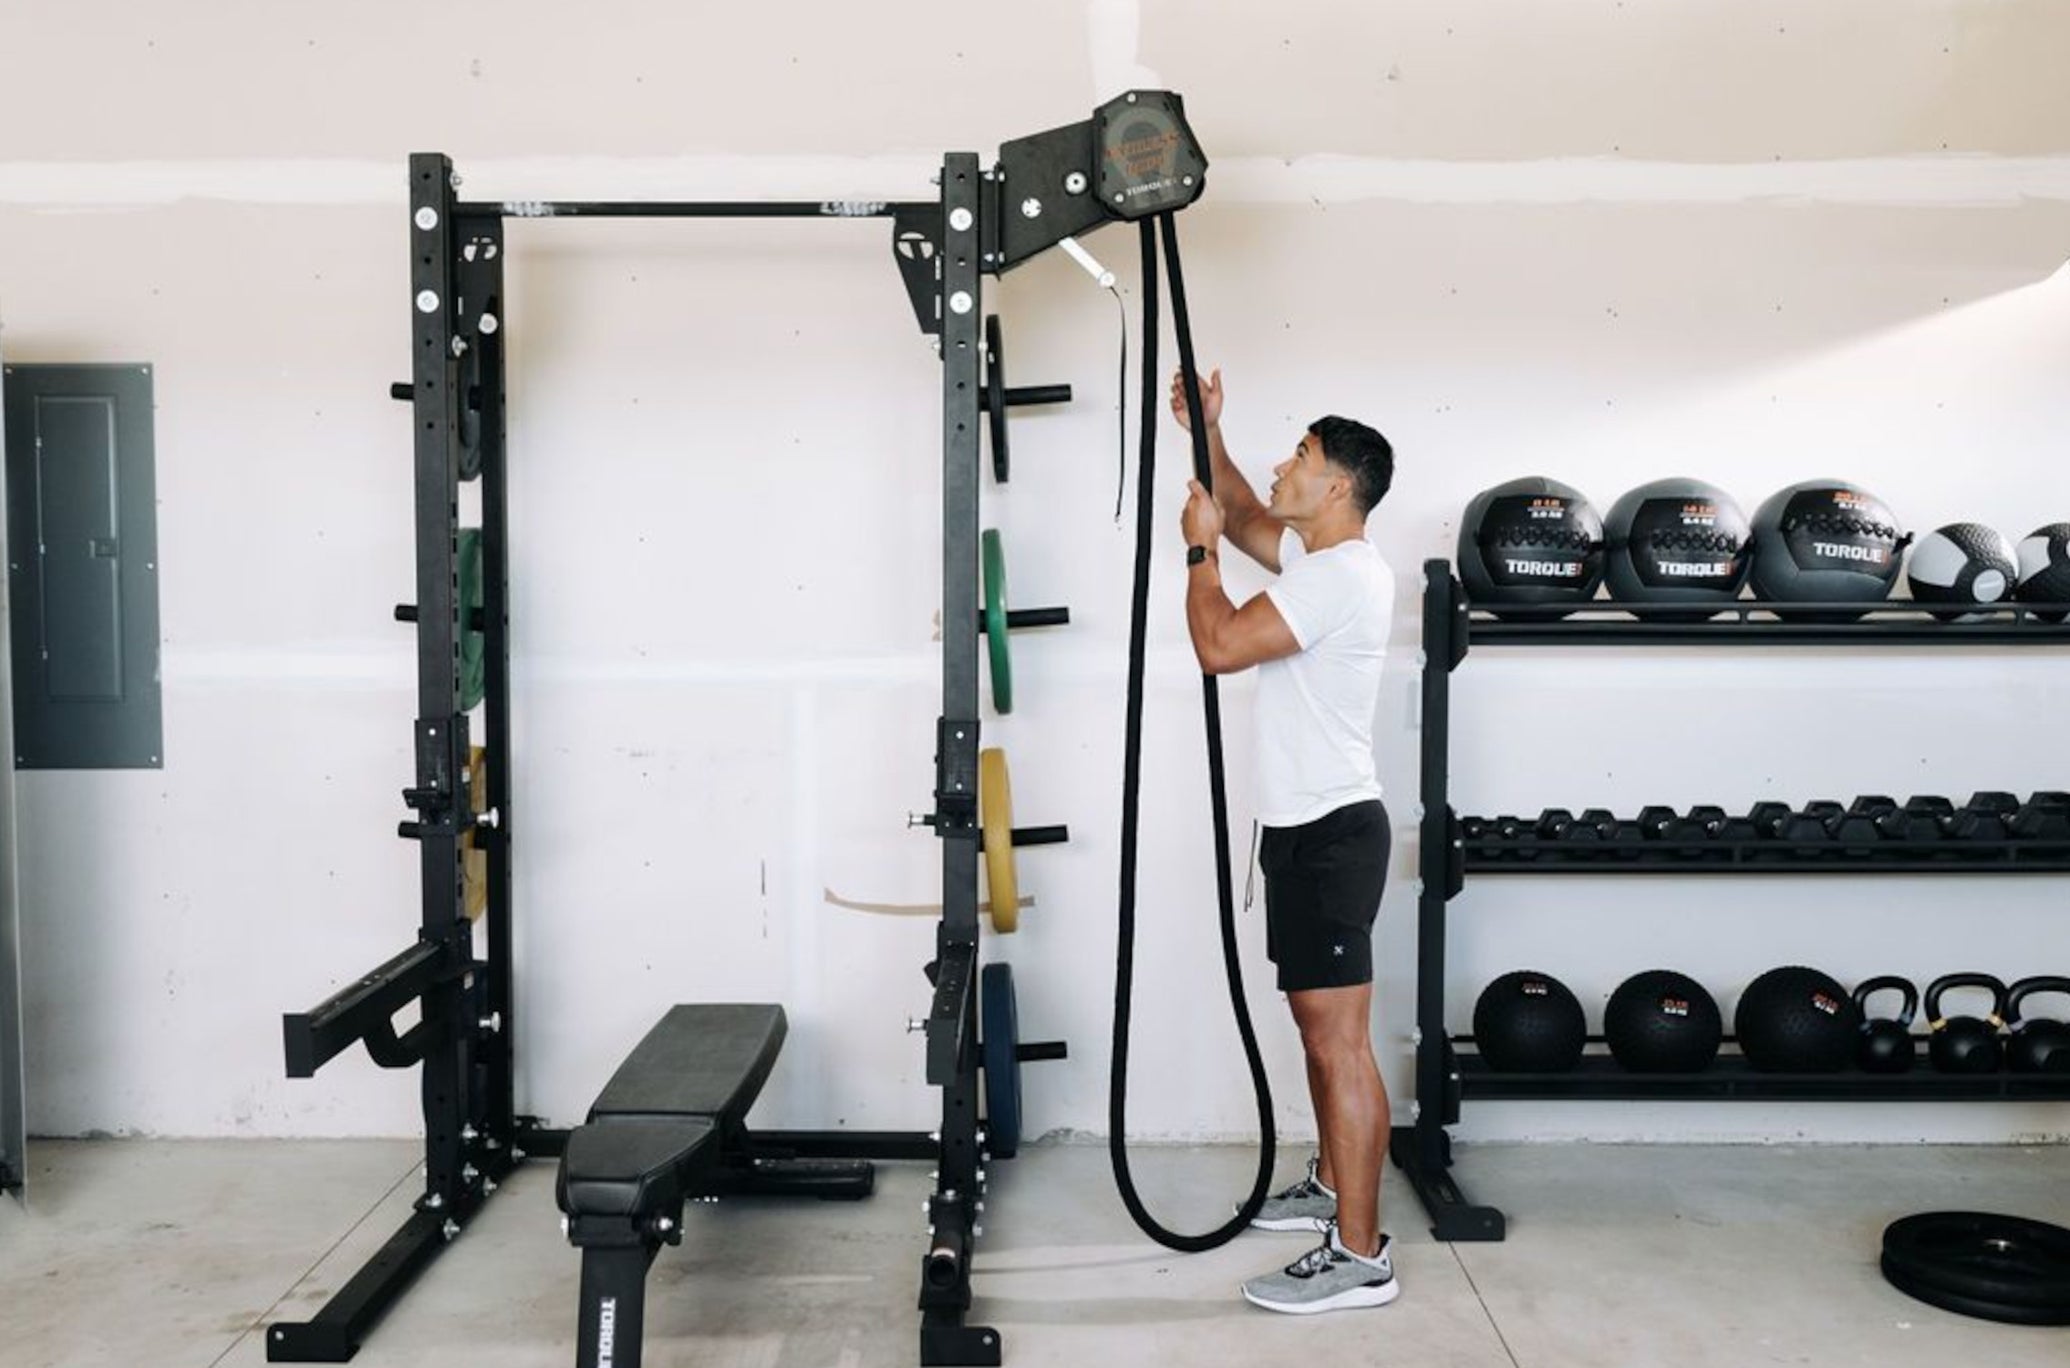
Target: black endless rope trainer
{"x":1132,"y":775}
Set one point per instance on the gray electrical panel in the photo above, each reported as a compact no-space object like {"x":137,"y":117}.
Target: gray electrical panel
{"x":14,"y":1166}
{"x":82,"y":567}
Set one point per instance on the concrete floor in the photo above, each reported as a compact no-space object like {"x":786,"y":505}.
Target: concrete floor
{"x":147,"y":1253}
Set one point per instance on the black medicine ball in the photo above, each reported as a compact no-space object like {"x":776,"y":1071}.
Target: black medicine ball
{"x":1677,"y":541}
{"x":2045,"y":567}
{"x":1528,"y":1022}
{"x":1963,"y":563}
{"x":1825,"y":542}
{"x":1663,"y":1022}
{"x":1796,"y":1020}
{"x":1529,"y":542}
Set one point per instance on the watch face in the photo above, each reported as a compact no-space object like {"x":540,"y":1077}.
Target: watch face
{"x":1196,"y":554}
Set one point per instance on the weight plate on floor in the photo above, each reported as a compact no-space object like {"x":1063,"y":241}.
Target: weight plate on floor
{"x":995,"y":818}
{"x":1907,"y":1280}
{"x":993,"y":554}
{"x":2007,"y":1261}
{"x":1000,"y":1020}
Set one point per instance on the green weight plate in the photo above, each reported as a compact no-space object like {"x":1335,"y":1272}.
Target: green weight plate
{"x":473,"y":645}
{"x":996,"y":642}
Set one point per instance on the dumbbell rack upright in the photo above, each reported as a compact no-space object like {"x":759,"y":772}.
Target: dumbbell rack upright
{"x":1446,"y":1074}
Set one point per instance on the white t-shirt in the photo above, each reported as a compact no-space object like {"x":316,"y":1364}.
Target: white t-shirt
{"x":1315,"y":708}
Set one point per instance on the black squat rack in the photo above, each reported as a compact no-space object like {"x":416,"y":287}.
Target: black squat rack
{"x":1449,"y":1071}
{"x":1134,"y":158}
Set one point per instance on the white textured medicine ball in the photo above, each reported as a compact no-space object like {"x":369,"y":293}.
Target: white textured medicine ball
{"x":2045,"y":567}
{"x":1677,"y":542}
{"x":1530,"y":542}
{"x":1963,"y":563}
{"x":1824,"y":541}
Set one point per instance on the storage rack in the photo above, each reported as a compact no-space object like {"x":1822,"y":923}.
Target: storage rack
{"x":1449,"y":1071}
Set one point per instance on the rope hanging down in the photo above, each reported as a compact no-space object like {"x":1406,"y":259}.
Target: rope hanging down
{"x":1132,"y":774}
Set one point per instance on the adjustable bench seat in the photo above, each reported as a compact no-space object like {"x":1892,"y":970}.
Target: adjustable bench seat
{"x":699,"y":1060}
{"x":659,"y":1122}
{"x":669,"y":1126}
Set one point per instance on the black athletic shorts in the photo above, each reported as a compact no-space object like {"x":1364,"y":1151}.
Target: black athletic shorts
{"x":1322,"y":891}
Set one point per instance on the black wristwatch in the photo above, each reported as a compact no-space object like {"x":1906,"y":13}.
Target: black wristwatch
{"x":1196,"y":554}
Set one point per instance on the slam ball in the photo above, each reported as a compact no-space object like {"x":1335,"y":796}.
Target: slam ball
{"x":1528,"y":1022}
{"x":1796,"y":1020}
{"x":1660,"y":1021}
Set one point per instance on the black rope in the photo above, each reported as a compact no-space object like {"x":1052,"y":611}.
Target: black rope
{"x":1132,"y":775}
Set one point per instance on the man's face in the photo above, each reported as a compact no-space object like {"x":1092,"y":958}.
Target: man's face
{"x":1304,"y":482}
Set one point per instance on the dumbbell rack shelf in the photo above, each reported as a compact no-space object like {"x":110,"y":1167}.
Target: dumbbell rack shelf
{"x":1532,"y":854}
{"x":1449,"y":1071}
{"x":1600,"y":1078}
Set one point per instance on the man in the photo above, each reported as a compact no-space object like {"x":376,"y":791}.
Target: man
{"x":1317,"y":636}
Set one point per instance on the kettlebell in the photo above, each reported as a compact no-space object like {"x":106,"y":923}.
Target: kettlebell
{"x":1965,"y":1045}
{"x":1885,"y":1045}
{"x":2036,"y":1046}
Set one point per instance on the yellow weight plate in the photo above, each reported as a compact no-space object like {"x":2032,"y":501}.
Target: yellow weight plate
{"x":474,"y":867}
{"x":995,"y":818}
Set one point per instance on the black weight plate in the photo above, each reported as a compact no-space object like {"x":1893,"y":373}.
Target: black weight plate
{"x":1986,"y":1257}
{"x":1904,"y":1279}
{"x":995,"y":394}
{"x":1001,"y":1023}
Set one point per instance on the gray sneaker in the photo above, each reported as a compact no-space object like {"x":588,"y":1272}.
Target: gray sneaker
{"x":1307,"y":1205}
{"x":1327,"y":1278}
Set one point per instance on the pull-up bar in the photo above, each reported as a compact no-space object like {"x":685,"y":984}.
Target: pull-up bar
{"x":545,"y":209}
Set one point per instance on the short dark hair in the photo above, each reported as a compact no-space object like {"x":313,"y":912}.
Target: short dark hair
{"x":1359,"y":452}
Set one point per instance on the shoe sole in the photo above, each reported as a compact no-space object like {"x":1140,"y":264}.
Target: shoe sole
{"x":1349,"y":1299}
{"x":1313,"y":1224}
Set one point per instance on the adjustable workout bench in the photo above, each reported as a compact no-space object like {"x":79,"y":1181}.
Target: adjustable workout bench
{"x":670,"y":1126}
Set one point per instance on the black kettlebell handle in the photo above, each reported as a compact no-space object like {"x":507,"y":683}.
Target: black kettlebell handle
{"x":1934,"y":990}
{"x":2026,"y":988}
{"x":1882,"y":984}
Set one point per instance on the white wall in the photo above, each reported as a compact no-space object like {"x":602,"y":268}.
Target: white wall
{"x":1753,"y":242}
